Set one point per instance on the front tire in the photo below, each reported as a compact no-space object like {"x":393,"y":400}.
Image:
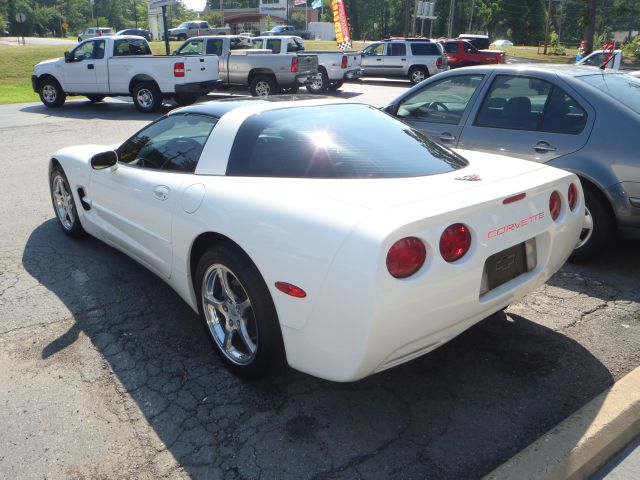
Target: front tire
{"x":51,"y":93}
{"x":238,"y":311}
{"x":417,"y":74}
{"x":597,"y":229}
{"x":147,"y":97}
{"x":64,"y":205}
{"x":319,"y":86}
{"x":262,"y":86}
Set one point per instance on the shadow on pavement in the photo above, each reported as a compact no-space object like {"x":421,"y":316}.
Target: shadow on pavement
{"x":456,"y":413}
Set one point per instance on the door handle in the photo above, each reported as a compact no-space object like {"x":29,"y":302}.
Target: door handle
{"x":447,"y":137}
{"x":543,"y":147}
{"x":161,"y":192}
{"x":378,"y":59}
{"x":90,"y":66}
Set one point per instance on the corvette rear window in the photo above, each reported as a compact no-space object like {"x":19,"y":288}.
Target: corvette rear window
{"x":335,"y":141}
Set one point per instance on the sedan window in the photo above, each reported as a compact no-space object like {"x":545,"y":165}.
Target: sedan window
{"x":172,"y":143}
{"x":623,"y":88}
{"x":441,"y":102}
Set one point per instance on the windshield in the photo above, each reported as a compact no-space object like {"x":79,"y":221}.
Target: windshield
{"x":184,"y":25}
{"x":335,"y":141}
{"x":621,"y":87}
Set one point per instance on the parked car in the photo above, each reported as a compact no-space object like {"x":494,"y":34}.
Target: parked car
{"x":335,"y":67}
{"x":264,"y":73}
{"x":577,"y":118}
{"x":140,"y":32}
{"x":95,"y":32}
{"x":634,"y":73}
{"x":267,"y":218}
{"x":479,"y":41}
{"x":411,"y":58}
{"x":598,"y":57}
{"x":195,"y":29}
{"x":462,"y":53}
{"x":502,"y":43}
{"x":123,"y":65}
{"x":287,"y":30}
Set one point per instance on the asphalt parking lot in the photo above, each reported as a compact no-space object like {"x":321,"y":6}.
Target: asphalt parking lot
{"x":106,"y":373}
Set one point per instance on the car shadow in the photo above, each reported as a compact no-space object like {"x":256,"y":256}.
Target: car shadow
{"x":386,"y":82}
{"x":457,"y":412}
{"x":107,"y":110}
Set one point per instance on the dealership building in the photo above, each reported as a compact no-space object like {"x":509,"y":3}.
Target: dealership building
{"x":267,"y":14}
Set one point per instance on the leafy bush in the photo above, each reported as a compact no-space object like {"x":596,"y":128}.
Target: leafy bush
{"x":631,"y":48}
{"x":554,"y":44}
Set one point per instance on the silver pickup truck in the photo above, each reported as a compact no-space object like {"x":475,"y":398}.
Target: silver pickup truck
{"x":263,"y":72}
{"x":195,"y":29}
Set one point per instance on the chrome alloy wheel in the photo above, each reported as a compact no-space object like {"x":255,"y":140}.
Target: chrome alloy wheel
{"x":49,"y":93}
{"x":317,"y":84}
{"x":263,"y":88}
{"x":417,"y":76}
{"x":587,"y":229}
{"x":63,"y":202}
{"x":144,"y":97}
{"x":229,"y":315}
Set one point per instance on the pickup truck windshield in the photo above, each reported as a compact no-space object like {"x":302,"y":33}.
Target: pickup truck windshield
{"x":623,"y":88}
{"x":335,"y":141}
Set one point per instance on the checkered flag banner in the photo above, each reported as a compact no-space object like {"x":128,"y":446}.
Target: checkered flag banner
{"x":341,"y":24}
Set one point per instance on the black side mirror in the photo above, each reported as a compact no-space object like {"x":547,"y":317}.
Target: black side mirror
{"x":390,"y":109}
{"x":104,"y":160}
{"x":67,"y":57}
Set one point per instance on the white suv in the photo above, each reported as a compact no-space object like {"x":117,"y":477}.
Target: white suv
{"x":413,"y":58}
{"x":95,"y":32}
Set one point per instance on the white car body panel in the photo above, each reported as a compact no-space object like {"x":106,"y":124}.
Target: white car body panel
{"x":332,"y":241}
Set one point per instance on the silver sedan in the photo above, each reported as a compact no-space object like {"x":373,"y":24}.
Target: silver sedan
{"x":577,"y":118}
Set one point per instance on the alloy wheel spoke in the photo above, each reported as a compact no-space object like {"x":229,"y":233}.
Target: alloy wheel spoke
{"x":246,"y":338}
{"x":223,"y":275}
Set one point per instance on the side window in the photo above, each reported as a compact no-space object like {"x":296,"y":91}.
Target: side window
{"x":451,"y":47}
{"x":563,"y":114}
{"x":98,"y":50}
{"x":374,"y":50}
{"x":424,"y":48}
{"x":441,"y":102}
{"x":396,"y":49}
{"x":258,"y":43}
{"x":214,"y":47}
{"x":515,"y":103}
{"x":194,"y":47}
{"x":173,"y":143}
{"x":469,"y":48}
{"x":274,"y":45}
{"x":83,"y":52}
{"x":130,"y":46}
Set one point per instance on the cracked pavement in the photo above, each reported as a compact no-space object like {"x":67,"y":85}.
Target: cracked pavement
{"x":107,"y":374}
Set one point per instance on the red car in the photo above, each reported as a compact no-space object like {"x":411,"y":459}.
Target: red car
{"x":463,"y":53}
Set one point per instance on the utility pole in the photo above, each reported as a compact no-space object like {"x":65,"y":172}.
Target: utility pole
{"x":222,"y":13}
{"x":452,"y":8}
{"x":473,"y":6}
{"x":546,"y":32}
{"x":135,"y":13}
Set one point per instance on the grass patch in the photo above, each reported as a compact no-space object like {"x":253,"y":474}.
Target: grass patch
{"x":532,"y":53}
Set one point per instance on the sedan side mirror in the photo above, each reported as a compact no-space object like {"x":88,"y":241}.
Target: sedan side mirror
{"x":104,"y":160}
{"x":67,"y":57}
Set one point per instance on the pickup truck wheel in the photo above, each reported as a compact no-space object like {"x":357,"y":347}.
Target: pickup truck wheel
{"x":597,"y":228}
{"x":51,"y":93}
{"x":238,"y":312}
{"x":417,"y":74}
{"x":184,"y":100}
{"x":262,"y":85}
{"x":95,"y":98}
{"x":319,"y":85}
{"x":182,"y":37}
{"x":333,"y":86}
{"x":147,"y":97}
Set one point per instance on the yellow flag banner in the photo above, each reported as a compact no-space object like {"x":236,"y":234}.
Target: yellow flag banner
{"x":341,"y":24}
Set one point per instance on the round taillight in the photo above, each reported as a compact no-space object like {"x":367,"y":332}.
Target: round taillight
{"x":555,"y":205}
{"x":405,"y":257}
{"x":455,"y":242}
{"x":572,"y":196}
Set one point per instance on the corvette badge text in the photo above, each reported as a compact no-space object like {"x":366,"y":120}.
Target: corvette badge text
{"x":515,"y":226}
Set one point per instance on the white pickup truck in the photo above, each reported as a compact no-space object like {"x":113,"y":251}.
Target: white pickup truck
{"x":597,"y":57}
{"x":124,"y":66}
{"x":335,"y":67}
{"x":264,"y":73}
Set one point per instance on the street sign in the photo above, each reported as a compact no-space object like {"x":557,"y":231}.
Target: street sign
{"x":21,"y":17}
{"x":161,"y":3}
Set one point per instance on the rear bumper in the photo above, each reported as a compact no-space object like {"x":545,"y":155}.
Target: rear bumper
{"x":353,"y":74}
{"x":197,"y":88}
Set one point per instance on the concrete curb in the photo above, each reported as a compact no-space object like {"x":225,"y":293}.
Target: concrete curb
{"x":582,"y":443}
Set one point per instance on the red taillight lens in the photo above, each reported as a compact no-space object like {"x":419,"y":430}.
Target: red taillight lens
{"x":294,"y":65}
{"x":439,"y":62}
{"x":344,"y":62}
{"x":555,"y":205}
{"x":572,"y":196}
{"x":405,"y":257}
{"x":290,"y":289}
{"x":178,"y":69}
{"x":455,"y":242}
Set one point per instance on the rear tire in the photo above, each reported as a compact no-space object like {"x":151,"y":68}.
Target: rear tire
{"x":262,"y":86}
{"x":334,"y":86}
{"x":417,"y":74}
{"x":319,"y":86}
{"x":182,"y":37}
{"x":147,"y":97}
{"x":51,"y":94}
{"x":598,"y":227}
{"x":238,"y":311}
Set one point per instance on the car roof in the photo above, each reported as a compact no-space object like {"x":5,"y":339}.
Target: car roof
{"x":559,"y":68}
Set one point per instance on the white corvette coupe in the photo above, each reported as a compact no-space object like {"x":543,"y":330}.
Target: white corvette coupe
{"x":322,"y":230}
